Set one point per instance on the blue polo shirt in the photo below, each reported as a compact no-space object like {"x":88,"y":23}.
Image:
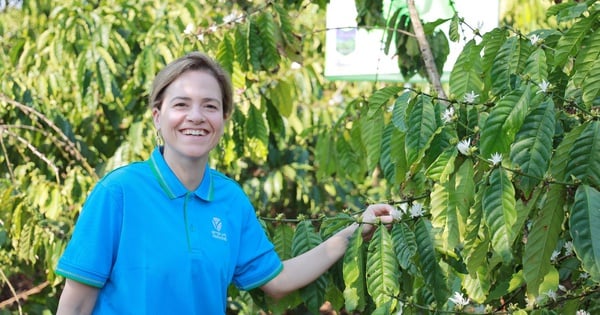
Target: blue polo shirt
{"x":153,"y":247}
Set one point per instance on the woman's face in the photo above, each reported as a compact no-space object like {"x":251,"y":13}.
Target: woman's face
{"x":191,"y":117}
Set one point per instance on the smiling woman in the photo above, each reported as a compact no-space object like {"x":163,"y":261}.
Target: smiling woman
{"x":169,"y":235}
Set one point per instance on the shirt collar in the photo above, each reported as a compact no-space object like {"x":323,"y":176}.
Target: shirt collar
{"x":171,"y":185}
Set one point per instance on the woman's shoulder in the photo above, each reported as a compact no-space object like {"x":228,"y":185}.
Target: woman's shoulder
{"x":133,"y":172}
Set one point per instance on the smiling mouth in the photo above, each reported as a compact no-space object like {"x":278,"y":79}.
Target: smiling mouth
{"x":195,"y":132}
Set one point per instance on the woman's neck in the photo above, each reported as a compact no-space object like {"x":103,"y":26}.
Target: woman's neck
{"x":189,"y":171}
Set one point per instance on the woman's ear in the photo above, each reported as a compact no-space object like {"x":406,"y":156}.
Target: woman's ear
{"x":156,"y":117}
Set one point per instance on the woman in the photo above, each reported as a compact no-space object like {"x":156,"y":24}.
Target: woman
{"x":169,"y":235}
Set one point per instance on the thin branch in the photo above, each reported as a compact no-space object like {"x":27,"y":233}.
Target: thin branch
{"x":23,"y":295}
{"x":35,"y":151}
{"x":70,"y":145}
{"x":427,"y":54}
{"x":12,"y":290}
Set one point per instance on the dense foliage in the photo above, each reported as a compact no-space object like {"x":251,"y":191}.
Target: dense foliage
{"x":497,"y":184}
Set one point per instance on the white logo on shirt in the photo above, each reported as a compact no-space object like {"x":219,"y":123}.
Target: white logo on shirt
{"x":217,"y":226}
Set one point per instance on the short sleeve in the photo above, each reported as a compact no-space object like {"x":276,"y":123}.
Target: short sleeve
{"x":258,"y":261}
{"x":90,"y":254}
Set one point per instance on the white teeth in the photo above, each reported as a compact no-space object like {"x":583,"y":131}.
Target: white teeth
{"x":193,"y":132}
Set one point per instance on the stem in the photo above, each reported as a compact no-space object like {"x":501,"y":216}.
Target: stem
{"x":427,"y":54}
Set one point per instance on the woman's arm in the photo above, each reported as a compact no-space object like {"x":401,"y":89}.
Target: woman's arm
{"x":301,"y":270}
{"x":77,"y":299}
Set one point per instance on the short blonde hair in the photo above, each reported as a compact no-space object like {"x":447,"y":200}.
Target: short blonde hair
{"x":189,"y":62}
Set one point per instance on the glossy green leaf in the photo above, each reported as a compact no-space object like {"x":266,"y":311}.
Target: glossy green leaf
{"x":504,"y":122}
{"x":225,"y":54}
{"x":428,"y":262}
{"x":371,"y":131}
{"x":405,"y":245}
{"x":282,"y":240}
{"x":382,"y":268}
{"x":509,"y":61}
{"x":421,"y":128}
{"x":443,"y":166}
{"x":444,"y":217}
{"x":399,"y":118}
{"x":499,"y":212}
{"x":584,"y":223}
{"x":584,"y":163}
{"x":266,"y":27}
{"x":568,"y":44}
{"x":532,"y":148}
{"x":543,"y":238}
{"x":536,"y":67}
{"x":380,"y":98}
{"x":466,"y":76}
{"x":586,"y":58}
{"x":354,"y":273}
{"x":558,"y":163}
{"x":591,"y":84}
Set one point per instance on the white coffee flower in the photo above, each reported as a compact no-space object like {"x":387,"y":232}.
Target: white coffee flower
{"x":459,"y":299}
{"x":552,"y":295}
{"x":189,"y":29}
{"x":582,"y":312}
{"x":496,"y":158}
{"x":470,"y":97}
{"x":568,"y":248}
{"x":448,"y":115}
{"x":464,"y":147}
{"x":554,"y":256}
{"x":544,"y":86}
{"x":535,"y":39}
{"x":416,"y":210}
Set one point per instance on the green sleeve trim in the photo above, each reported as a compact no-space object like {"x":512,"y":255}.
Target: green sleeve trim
{"x":265,"y":280}
{"x":79,"y":278}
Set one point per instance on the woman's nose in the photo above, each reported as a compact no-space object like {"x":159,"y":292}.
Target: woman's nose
{"x":195,"y":114}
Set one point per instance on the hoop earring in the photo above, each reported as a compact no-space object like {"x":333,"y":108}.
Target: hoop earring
{"x":159,"y":139}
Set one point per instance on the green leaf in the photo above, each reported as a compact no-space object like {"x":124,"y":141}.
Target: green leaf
{"x":399,"y":111}
{"x":382,"y":268}
{"x":428,"y":262}
{"x":380,"y":98}
{"x":492,"y":42}
{"x":225,"y":54}
{"x":558,"y":163}
{"x":464,"y":189}
{"x":241,"y":46}
{"x":586,"y":58}
{"x":543,"y":238}
{"x":591,"y":84}
{"x":282,"y":240}
{"x":256,"y":126}
{"x":466,"y":76}
{"x":405,"y":245}
{"x":504,"y":122}
{"x":421,"y":128}
{"x":584,"y":163}
{"x":443,"y":215}
{"x":453,"y":30}
{"x":499,"y":212}
{"x":332,"y":225}
{"x":443,"y":166}
{"x":305,"y":239}
{"x":536,"y":67}
{"x":282,"y":94}
{"x":532,"y":148}
{"x":371,"y":131}
{"x":266,"y":27}
{"x":388,"y":165}
{"x":354,"y":273}
{"x":570,"y":42}
{"x":584,"y":223}
{"x":509,"y":61}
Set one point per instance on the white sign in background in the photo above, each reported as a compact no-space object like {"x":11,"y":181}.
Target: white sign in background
{"x":356,"y":54}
